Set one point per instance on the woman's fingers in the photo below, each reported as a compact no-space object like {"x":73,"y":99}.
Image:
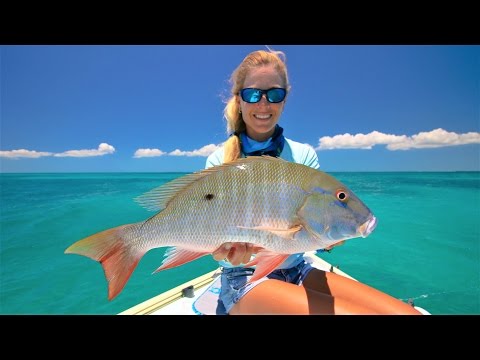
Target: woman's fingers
{"x":248,"y":253}
{"x":235,"y":253}
{"x":222,"y":252}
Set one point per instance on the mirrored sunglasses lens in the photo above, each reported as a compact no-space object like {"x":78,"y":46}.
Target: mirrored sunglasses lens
{"x":276,"y":95}
{"x":251,"y":95}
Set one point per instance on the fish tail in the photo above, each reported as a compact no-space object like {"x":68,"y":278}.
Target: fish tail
{"x":117,"y":258}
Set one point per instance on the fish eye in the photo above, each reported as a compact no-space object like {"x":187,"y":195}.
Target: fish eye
{"x":341,"y":195}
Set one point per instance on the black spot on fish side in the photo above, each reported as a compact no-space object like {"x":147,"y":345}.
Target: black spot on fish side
{"x":209,"y":196}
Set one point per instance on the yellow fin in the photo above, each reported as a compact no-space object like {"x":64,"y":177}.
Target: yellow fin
{"x":287,"y":234}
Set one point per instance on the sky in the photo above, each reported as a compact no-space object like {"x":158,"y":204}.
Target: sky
{"x":159,"y":108}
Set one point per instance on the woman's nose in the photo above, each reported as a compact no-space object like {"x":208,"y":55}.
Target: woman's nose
{"x":264,"y":100}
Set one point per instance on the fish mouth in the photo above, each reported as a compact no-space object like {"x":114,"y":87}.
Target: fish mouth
{"x":368,"y":226}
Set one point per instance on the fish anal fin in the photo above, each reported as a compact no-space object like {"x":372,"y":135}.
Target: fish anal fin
{"x":287,"y":234}
{"x":176,"y":256}
{"x":266,"y":261}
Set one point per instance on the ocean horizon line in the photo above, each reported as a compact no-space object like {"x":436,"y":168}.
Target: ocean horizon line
{"x":188,"y":172}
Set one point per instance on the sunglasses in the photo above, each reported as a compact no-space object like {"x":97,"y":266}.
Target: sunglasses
{"x":252,"y":95}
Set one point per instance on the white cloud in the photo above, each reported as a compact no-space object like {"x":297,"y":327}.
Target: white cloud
{"x":429,"y":139}
{"x":23,"y":153}
{"x":103,"y":149}
{"x":148,"y":153}
{"x":204,"y":151}
{"x":437,"y":138}
{"x":432,"y":139}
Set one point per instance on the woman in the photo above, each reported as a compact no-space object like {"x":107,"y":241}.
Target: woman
{"x":259,"y":91}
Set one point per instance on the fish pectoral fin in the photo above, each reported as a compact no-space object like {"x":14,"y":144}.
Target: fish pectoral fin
{"x":266,"y":261}
{"x":175,"y":256}
{"x":283,"y":233}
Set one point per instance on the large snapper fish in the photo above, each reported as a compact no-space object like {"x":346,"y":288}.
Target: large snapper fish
{"x":281,"y":207}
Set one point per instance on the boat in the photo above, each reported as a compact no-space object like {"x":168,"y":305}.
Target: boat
{"x":199,"y":295}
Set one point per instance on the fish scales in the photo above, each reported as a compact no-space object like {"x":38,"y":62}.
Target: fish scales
{"x":241,"y":197}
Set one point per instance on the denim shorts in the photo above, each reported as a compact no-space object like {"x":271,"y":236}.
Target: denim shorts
{"x":235,"y":286}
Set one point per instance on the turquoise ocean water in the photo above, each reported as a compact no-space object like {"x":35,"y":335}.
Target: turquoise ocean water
{"x":426,"y":246}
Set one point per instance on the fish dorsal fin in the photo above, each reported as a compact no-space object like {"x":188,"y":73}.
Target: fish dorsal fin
{"x":158,"y":198}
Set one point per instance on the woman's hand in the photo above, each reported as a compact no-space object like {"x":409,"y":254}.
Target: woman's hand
{"x":235,"y":253}
{"x":240,"y":253}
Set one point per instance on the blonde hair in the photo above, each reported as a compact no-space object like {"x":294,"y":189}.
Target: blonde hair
{"x":231,"y":112}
